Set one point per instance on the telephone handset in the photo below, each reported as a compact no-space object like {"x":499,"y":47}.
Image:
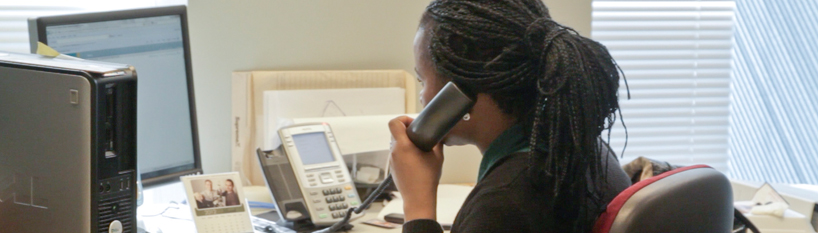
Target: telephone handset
{"x":439,"y":116}
{"x":309,"y":181}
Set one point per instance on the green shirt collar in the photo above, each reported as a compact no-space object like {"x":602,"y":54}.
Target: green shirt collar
{"x":513,"y":140}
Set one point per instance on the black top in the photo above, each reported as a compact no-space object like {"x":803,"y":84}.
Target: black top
{"x":504,"y":200}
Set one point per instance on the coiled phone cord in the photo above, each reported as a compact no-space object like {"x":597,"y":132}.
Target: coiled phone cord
{"x":364,"y":205}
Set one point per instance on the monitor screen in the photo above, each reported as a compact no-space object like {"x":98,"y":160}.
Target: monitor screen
{"x":154,"y":41}
{"x":313,"y":148}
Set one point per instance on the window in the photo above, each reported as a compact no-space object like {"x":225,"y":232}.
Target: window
{"x":676,"y":57}
{"x":774,"y":109}
{"x":14,"y":15}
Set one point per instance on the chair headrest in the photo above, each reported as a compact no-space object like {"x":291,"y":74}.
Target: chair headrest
{"x":688,"y":199}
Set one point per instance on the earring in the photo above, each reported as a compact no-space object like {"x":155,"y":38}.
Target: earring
{"x":466,"y":117}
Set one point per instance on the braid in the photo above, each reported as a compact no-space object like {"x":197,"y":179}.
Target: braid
{"x":562,"y":85}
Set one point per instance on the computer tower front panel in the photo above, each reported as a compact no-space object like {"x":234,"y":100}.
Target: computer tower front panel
{"x":115,"y":121}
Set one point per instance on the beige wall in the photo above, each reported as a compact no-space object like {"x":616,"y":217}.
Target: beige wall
{"x":311,"y":34}
{"x":572,"y":13}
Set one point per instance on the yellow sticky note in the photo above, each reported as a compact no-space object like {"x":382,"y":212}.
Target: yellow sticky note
{"x":44,"y":50}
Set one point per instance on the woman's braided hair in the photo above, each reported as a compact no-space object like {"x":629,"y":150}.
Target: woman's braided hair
{"x":562,"y":85}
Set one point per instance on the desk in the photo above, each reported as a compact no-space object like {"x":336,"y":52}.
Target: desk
{"x":370,"y":213}
{"x":176,"y":218}
{"x":802,"y":215}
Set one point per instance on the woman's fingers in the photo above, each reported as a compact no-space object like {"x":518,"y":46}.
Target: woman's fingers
{"x":397,"y":127}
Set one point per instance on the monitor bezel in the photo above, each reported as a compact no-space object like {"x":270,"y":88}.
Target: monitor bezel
{"x":37,"y":33}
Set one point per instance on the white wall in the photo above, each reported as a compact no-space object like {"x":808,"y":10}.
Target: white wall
{"x":317,"y":35}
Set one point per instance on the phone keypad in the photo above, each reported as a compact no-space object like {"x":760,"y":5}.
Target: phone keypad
{"x":331,"y":191}
{"x":339,"y":214}
{"x":334,"y":201}
{"x":339,"y":206}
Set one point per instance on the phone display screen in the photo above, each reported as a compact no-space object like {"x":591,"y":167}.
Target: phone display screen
{"x":313,"y":148}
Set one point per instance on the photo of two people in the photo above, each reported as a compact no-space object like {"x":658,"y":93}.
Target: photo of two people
{"x":212,"y":193}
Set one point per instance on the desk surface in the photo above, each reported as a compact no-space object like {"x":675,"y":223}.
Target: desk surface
{"x":159,"y":215}
{"x":370,"y":213}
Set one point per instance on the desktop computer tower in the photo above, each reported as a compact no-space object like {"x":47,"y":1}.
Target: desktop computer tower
{"x":67,"y":145}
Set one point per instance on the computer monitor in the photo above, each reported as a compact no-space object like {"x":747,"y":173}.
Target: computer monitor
{"x":155,"y":42}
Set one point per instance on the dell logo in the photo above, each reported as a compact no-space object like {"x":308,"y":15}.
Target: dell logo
{"x":115,"y":227}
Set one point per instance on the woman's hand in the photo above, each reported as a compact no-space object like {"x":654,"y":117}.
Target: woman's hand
{"x":416,"y":173}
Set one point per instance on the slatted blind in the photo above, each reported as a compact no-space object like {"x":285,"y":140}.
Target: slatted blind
{"x":14,"y":25}
{"x":676,"y":57}
{"x":775,"y":92}
{"x":14,"y":15}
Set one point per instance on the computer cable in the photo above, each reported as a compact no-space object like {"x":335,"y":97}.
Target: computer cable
{"x":176,"y":206}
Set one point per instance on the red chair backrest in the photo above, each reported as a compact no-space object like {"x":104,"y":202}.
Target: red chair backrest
{"x":688,"y":199}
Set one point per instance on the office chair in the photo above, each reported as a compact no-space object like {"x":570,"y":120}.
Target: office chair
{"x":689,"y":199}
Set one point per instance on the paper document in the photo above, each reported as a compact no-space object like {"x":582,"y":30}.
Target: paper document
{"x":43,"y":49}
{"x":359,"y":134}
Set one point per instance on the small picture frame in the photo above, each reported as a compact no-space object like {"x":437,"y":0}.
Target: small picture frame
{"x":217,"y":203}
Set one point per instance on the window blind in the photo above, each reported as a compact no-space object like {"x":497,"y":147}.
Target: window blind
{"x":773,"y":114}
{"x":676,"y":57}
{"x":14,"y":15}
{"x":14,"y":23}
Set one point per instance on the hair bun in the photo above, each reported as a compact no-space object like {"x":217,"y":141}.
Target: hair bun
{"x":541,"y":33}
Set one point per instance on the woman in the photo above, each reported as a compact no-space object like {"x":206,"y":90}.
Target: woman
{"x":544,"y":96}
{"x":212,"y":197}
